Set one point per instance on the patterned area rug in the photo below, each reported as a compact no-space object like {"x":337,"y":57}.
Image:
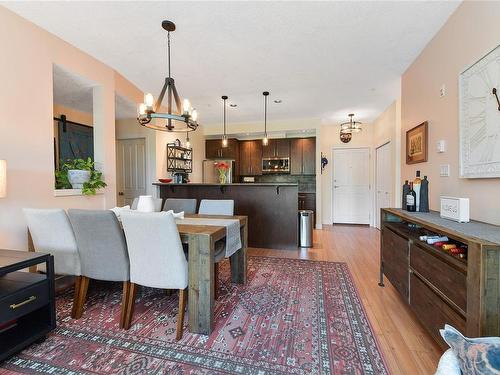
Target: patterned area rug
{"x":292,"y":317}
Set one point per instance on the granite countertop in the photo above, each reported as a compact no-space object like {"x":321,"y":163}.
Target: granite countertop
{"x":235,"y":184}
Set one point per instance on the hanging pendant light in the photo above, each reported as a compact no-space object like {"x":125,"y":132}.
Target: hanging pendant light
{"x":351,"y":126}
{"x":181,"y":119}
{"x":265,"y":140}
{"x":224,"y":136}
{"x":188,"y":142}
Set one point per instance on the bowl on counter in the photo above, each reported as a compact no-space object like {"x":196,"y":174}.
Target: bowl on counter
{"x":165,"y":180}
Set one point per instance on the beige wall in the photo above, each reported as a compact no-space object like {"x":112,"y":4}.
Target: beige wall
{"x":26,"y":140}
{"x":471,"y":32}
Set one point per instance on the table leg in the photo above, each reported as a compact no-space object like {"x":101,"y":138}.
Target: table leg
{"x":239,"y":259}
{"x":201,"y":284}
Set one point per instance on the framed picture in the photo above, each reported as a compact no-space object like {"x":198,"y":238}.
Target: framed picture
{"x":416,"y":144}
{"x":480,"y":118}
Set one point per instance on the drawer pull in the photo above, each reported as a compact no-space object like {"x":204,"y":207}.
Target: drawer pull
{"x":17,"y":305}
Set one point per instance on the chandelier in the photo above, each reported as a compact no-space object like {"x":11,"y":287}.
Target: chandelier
{"x":181,"y":119}
{"x":224,"y":136}
{"x":265,"y":140}
{"x":350,"y":126}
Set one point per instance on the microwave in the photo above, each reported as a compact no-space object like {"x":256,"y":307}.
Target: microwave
{"x":276,"y":165}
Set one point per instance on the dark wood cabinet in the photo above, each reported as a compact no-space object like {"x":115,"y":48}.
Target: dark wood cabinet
{"x":307,"y":201}
{"x":250,"y":158}
{"x":442,"y":288}
{"x":303,"y":156}
{"x":277,"y":148}
{"x":214,"y":149}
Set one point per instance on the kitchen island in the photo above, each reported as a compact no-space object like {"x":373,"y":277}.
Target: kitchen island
{"x":271,"y":208}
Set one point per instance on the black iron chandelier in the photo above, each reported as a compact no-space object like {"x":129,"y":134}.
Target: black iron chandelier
{"x":350,"y":126}
{"x":183,"y":118}
{"x":224,"y":136}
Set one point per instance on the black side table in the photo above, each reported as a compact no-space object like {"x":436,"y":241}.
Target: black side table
{"x":27,"y":300}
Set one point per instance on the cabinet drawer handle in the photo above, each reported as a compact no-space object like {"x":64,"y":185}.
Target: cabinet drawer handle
{"x":17,"y":305}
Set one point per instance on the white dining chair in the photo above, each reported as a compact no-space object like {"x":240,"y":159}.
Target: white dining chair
{"x":188,"y":206}
{"x":157,"y":259}
{"x":51,"y":232}
{"x":158,"y":202}
{"x":216,"y":207}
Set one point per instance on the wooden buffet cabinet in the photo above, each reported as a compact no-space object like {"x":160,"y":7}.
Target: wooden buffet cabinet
{"x":442,"y":288}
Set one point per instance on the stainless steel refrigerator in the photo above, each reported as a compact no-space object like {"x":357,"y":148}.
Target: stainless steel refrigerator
{"x":210,"y":174}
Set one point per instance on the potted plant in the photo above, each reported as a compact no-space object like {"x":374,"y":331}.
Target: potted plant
{"x":79,"y":174}
{"x":222,"y":168}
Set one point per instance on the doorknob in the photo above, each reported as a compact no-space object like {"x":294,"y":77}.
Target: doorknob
{"x":120,"y":193}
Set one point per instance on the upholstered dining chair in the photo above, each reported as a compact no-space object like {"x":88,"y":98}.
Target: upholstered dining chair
{"x":180,"y":204}
{"x":217,"y":207}
{"x":157,"y":259}
{"x":157,"y":201}
{"x":103,"y":252}
{"x":52,"y":233}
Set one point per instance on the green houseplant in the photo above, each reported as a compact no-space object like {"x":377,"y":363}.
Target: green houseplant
{"x":79,"y":174}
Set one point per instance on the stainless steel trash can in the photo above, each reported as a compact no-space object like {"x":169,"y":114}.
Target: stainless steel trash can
{"x":306,"y":228}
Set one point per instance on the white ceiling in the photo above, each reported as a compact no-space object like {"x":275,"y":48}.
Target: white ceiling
{"x":323,"y":59}
{"x":72,"y":90}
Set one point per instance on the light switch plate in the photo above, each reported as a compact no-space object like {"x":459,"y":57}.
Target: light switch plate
{"x":441,"y":146}
{"x":444,"y":170}
{"x":442,"y":91}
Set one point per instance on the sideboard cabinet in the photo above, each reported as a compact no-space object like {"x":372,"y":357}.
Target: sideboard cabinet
{"x":441,"y":287}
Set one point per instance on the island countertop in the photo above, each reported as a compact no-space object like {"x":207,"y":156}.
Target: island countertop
{"x":271,"y":208}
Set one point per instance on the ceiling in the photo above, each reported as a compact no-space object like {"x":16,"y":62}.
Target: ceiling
{"x":322,"y":59}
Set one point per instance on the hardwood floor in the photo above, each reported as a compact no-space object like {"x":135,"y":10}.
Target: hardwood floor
{"x":407,"y":347}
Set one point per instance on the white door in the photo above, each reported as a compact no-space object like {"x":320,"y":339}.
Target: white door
{"x":130,"y":169}
{"x":351,"y":186}
{"x":383,"y":176}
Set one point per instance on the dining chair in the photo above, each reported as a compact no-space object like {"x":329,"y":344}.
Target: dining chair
{"x":217,"y":207}
{"x":180,"y":204}
{"x":51,"y":232}
{"x":103,"y":252}
{"x":157,"y":259}
{"x":157,"y":201}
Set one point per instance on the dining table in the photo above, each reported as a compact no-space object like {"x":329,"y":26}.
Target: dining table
{"x":201,"y":241}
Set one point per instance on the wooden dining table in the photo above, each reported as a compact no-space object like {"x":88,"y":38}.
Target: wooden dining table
{"x":201,"y":241}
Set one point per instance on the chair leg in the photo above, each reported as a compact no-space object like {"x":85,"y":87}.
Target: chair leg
{"x":216,"y":280}
{"x":180,"y":314}
{"x":125,"y":294}
{"x":82,"y":296}
{"x":78,"y":281}
{"x":130,"y":306}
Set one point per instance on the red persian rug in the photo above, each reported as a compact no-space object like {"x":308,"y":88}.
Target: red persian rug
{"x":292,"y":317}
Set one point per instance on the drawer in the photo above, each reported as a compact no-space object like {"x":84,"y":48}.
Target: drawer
{"x":24,"y":301}
{"x":431,"y":310}
{"x":395,"y":260}
{"x":443,"y":276}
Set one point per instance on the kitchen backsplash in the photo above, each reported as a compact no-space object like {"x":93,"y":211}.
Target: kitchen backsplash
{"x":307,"y":184}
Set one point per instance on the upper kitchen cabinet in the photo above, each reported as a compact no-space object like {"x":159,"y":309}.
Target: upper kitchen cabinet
{"x":303,"y":156}
{"x":251,"y":158}
{"x":277,"y":148}
{"x":214,"y":149}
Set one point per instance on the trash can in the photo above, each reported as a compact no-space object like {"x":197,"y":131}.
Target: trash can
{"x":306,"y":228}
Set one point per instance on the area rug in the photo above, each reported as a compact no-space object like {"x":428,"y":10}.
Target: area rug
{"x":292,"y":317}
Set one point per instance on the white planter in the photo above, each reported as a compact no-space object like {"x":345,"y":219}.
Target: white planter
{"x":146,"y":204}
{"x":78,"y":177}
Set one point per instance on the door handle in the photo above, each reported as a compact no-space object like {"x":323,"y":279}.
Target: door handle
{"x":120,"y":193}
{"x":336,"y":186}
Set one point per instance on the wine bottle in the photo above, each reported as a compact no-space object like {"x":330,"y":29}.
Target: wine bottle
{"x":411,"y":199}
{"x":424,"y":195}
{"x":416,"y":186}
{"x":406,"y":189}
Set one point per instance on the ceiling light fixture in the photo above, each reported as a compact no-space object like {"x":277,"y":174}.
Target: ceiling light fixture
{"x":278,"y":101}
{"x":184,"y":118}
{"x":188,"y":142}
{"x":265,"y":140}
{"x":233,"y":105}
{"x":350,"y":126}
{"x":224,"y":136}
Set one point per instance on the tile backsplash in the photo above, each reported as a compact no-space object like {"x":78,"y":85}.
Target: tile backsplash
{"x":307,"y":184}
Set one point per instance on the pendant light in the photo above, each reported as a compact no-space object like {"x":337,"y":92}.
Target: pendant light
{"x":188,"y":142}
{"x":351,"y":126}
{"x":265,"y":140}
{"x":224,"y":136}
{"x":181,"y":119}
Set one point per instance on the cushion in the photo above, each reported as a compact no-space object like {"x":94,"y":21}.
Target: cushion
{"x":448,"y":364}
{"x":479,"y":356}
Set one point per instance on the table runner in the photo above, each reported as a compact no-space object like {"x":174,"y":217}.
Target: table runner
{"x":233,"y":237}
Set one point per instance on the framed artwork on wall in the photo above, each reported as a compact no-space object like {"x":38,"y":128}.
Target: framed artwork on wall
{"x":480,"y":118}
{"x":416,"y":144}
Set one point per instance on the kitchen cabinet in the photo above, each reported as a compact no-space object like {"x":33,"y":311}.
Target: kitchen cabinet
{"x":214,"y":149}
{"x":307,"y":201}
{"x":303,"y":156}
{"x":251,"y":158}
{"x":277,"y":148}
